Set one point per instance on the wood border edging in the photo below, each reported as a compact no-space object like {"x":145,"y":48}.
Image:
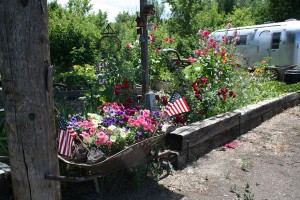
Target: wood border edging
{"x":198,"y":138}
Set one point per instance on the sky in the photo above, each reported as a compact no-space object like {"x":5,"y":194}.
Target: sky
{"x":112,"y":7}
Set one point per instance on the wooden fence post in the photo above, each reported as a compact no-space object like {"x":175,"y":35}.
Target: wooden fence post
{"x":28,"y":98}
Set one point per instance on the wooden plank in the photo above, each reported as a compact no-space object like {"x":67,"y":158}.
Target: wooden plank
{"x":256,"y":110}
{"x":195,"y":133}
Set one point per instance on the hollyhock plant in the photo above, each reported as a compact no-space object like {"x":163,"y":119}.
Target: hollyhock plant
{"x":209,"y":74}
{"x":116,"y":127}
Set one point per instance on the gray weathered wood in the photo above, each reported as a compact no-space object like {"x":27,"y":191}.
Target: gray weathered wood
{"x":28,"y":103}
{"x":195,"y":133}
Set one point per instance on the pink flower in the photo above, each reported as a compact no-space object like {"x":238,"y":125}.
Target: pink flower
{"x":146,"y":113}
{"x":101,"y":138}
{"x":141,"y":118}
{"x":115,"y":106}
{"x":85,"y":135}
{"x":166,"y":39}
{"x":100,"y":134}
{"x":109,"y":143}
{"x":131,"y":121}
{"x":235,"y":33}
{"x":92,"y":130}
{"x":215,"y":52}
{"x":151,"y":128}
{"x":229,"y":25}
{"x":191,"y":60}
{"x":105,"y":109}
{"x":200,"y":32}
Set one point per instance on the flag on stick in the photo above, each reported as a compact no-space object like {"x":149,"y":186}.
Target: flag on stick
{"x":176,"y":105}
{"x":66,"y":135}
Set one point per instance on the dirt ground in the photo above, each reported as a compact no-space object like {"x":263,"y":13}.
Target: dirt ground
{"x":262,"y":164}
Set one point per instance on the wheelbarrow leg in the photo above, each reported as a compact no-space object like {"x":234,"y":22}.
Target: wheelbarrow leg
{"x":97,"y":186}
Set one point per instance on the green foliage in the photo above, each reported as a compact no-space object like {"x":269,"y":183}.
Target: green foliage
{"x":78,"y":76}
{"x":241,"y":17}
{"x":74,"y":34}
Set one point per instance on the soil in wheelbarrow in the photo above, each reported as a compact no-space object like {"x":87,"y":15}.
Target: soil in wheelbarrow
{"x":262,"y":164}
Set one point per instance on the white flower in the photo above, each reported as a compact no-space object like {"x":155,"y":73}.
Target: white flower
{"x":113,"y":138}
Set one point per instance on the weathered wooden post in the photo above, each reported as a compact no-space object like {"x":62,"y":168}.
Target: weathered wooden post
{"x":27,"y":85}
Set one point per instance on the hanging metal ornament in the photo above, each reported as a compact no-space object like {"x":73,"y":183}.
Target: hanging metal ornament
{"x":109,"y":43}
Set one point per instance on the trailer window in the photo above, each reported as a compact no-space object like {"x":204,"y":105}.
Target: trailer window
{"x":243,"y":40}
{"x":276,"y":40}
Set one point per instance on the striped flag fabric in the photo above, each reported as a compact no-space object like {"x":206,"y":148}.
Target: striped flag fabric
{"x":66,"y":136}
{"x":176,"y":105}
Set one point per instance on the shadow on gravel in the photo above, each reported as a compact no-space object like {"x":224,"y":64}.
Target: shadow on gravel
{"x":122,"y":185}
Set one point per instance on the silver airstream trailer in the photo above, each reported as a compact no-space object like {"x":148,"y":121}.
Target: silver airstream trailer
{"x":278,"y":41}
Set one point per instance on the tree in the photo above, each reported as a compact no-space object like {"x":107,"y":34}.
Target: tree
{"x":74,"y":37}
{"x":27,"y":85}
{"x":79,"y":7}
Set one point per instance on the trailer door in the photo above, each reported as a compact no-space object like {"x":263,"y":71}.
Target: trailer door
{"x":264,"y":45}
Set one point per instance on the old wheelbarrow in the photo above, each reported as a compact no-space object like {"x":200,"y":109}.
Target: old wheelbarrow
{"x":279,"y":71}
{"x":129,"y":157}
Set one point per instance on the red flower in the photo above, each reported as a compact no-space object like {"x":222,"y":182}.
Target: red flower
{"x":156,"y":50}
{"x":204,"y":80}
{"x":125,"y":84}
{"x":201,"y":112}
{"x":100,"y":107}
{"x":223,"y":52}
{"x":128,"y":46}
{"x":179,"y":119}
{"x":164,"y":100}
{"x":205,"y":34}
{"x":117,"y":89}
{"x":152,"y":38}
{"x":157,"y":97}
{"x":171,"y":40}
{"x":231,"y":93}
{"x":166,"y":39}
{"x":224,"y":90}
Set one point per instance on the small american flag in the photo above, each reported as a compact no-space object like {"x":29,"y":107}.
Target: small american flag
{"x":176,"y":105}
{"x":66,"y":135}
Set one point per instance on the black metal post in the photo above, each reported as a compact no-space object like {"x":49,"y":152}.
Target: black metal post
{"x":144,"y":49}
